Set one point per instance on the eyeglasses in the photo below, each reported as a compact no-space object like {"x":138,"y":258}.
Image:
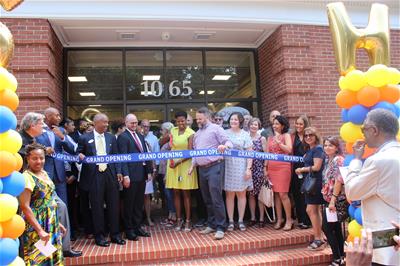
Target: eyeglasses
{"x":218,"y":119}
{"x":309,"y":135}
{"x":365,"y":128}
{"x":145,"y":126}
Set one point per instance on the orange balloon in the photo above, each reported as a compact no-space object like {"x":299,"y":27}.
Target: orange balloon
{"x":349,"y":147}
{"x":368,"y":96}
{"x":390,"y":93}
{"x":346,"y":99}
{"x":350,"y":238}
{"x":8,"y":163}
{"x":19,"y":161}
{"x":368,"y":151}
{"x":9,"y":98}
{"x":1,"y":231}
{"x":14,"y":227}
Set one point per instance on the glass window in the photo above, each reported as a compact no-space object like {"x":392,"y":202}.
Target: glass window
{"x":225,"y":109}
{"x":184,"y":75}
{"x":154,"y":113}
{"x":87,"y":112}
{"x":144,"y":75}
{"x":230,"y":74}
{"x":94,"y":75}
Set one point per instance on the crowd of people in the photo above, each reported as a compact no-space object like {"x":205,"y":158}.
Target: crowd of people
{"x":108,"y":199}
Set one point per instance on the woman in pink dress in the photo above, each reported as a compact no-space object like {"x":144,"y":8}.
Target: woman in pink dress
{"x":279,"y":173}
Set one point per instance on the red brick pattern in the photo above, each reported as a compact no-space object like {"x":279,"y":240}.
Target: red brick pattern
{"x":298,"y":74}
{"x":168,"y":246}
{"x":37,"y":64}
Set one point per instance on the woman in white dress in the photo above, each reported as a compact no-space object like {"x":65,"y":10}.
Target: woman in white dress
{"x":237,"y":171}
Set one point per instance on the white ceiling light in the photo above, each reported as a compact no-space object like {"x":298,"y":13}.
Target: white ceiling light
{"x":87,"y":94}
{"x":144,"y":93}
{"x":77,"y":79}
{"x":94,"y":105}
{"x":221,"y":77}
{"x":151,"y":77}
{"x":154,"y":121}
{"x":208,"y":92}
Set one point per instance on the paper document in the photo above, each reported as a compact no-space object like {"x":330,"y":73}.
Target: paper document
{"x":344,"y":171}
{"x":331,"y":217}
{"x":46,"y":250}
{"x":149,"y":187}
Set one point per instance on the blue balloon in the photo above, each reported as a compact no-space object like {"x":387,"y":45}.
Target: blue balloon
{"x":348,"y":159}
{"x":356,"y":203}
{"x":8,"y":119}
{"x":385,"y":105}
{"x":358,"y":216}
{"x":1,"y":186}
{"x":397,"y":108}
{"x":357,"y":114}
{"x":345,"y":117}
{"x":8,"y":250}
{"x":351,"y":210}
{"x":14,"y":184}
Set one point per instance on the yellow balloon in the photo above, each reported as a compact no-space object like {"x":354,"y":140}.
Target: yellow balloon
{"x":7,"y":80}
{"x":350,"y":132}
{"x":355,"y":80}
{"x":354,"y":229}
{"x":10,"y":141}
{"x":378,"y":75}
{"x":17,"y":262}
{"x":8,"y":207}
{"x":394,"y":76}
{"x":343,"y":83}
{"x":6,"y":45}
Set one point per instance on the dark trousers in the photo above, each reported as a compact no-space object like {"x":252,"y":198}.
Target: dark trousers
{"x":334,"y":235}
{"x":211,"y":182}
{"x":73,"y":205}
{"x":133,"y":205}
{"x":201,"y":208}
{"x":85,"y":211}
{"x":105,"y":189}
{"x":299,"y":200}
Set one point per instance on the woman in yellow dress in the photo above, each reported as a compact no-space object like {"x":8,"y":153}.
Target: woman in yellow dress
{"x":177,"y":171}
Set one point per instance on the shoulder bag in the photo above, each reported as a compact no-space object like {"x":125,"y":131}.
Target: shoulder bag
{"x":309,"y":185}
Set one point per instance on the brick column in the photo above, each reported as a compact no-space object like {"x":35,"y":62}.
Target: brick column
{"x":37,"y":64}
{"x":298,"y":74}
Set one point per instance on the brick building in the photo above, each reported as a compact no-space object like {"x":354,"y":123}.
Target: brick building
{"x":270,"y":56}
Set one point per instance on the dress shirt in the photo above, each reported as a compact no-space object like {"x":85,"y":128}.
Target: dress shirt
{"x":210,"y":136}
{"x":153,"y":142}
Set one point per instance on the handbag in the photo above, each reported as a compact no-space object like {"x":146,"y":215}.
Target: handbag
{"x":266,"y":196}
{"x":309,"y":185}
{"x":341,"y":209}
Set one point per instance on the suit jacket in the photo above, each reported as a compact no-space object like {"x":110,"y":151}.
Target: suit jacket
{"x":55,"y":168}
{"x":376,"y":184}
{"x":87,"y":146}
{"x":135,"y":170}
{"x":75,"y":136}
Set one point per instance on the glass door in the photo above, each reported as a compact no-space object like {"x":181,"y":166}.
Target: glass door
{"x":155,"y":113}
{"x":190,"y":109}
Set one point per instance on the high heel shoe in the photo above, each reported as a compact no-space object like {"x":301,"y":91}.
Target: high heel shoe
{"x":288,"y":227}
{"x":279,"y":225}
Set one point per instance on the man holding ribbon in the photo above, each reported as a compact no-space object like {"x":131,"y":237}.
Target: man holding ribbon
{"x":134,"y":176}
{"x":211,"y":171}
{"x":101,"y":179}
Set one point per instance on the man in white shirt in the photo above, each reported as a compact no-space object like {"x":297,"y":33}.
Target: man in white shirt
{"x":376,"y":182}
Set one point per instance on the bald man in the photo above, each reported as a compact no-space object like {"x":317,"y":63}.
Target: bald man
{"x":101,"y":180}
{"x":54,"y":140}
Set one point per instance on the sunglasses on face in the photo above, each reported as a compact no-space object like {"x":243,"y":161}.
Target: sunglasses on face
{"x":308,"y":135}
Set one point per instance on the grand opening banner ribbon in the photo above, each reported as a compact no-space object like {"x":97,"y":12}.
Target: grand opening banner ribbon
{"x":165,"y":155}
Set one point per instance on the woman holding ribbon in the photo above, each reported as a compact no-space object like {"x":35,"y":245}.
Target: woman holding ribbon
{"x":178,"y":179}
{"x":279,"y":173}
{"x":39,"y":209}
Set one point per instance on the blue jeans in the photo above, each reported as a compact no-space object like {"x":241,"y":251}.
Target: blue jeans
{"x":211,"y":182}
{"x":169,"y":197}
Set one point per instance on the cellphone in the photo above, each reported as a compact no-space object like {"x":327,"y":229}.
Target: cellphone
{"x":384,"y":238}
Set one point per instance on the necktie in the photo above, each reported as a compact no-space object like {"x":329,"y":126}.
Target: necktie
{"x":138,"y":143}
{"x":101,"y":151}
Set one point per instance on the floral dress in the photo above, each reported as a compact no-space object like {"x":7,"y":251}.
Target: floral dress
{"x":257,"y":168}
{"x":44,"y":208}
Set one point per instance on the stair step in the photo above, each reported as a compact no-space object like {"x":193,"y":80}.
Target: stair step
{"x":300,"y":256}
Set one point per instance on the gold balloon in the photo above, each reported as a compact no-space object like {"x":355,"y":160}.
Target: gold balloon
{"x":9,"y":5}
{"x":6,"y":45}
{"x":375,"y":38}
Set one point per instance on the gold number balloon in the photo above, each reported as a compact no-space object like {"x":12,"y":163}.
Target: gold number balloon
{"x":6,"y":45}
{"x":375,"y":38}
{"x":10,"y":4}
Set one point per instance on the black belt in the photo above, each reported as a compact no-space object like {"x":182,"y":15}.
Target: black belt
{"x":211,"y":164}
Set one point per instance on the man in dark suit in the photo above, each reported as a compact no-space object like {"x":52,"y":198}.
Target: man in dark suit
{"x":101,"y":180}
{"x":135,"y":174}
{"x":55,"y":142}
{"x":79,"y":129}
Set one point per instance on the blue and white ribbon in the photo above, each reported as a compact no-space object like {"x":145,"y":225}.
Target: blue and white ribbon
{"x":165,"y":155}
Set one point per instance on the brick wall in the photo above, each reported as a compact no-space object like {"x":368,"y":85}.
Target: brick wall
{"x":298,"y":74}
{"x":37,"y":64}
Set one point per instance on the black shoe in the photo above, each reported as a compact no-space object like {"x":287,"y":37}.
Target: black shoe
{"x":72,"y":253}
{"x":118,"y":240}
{"x":201,"y":223}
{"x":131,"y":236}
{"x":304,"y":226}
{"x":102,"y":242}
{"x":141,"y":232}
